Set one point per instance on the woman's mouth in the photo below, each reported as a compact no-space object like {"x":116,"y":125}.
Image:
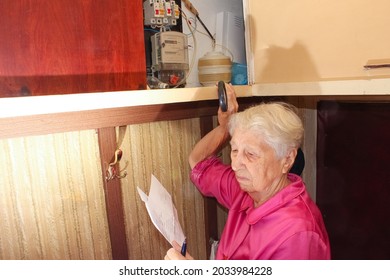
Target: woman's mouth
{"x":241,"y":178}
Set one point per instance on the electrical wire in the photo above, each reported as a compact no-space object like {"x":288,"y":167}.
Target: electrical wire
{"x":192,"y":22}
{"x":213,"y":42}
{"x":193,"y":10}
{"x":150,"y":29}
{"x":227,"y":49}
{"x":191,"y":66}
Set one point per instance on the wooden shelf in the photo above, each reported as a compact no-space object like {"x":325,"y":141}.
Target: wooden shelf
{"x":22,"y":116}
{"x":53,"y":104}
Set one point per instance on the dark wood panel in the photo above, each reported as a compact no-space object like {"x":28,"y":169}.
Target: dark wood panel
{"x":69,"y":46}
{"x":353,"y":179}
{"x":210,"y":203}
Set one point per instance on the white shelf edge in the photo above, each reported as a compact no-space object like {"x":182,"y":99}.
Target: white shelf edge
{"x":49,"y":104}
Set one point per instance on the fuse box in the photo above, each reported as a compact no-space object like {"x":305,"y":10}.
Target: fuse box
{"x":161,"y":12}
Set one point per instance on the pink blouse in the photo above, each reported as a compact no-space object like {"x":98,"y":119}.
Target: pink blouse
{"x":288,"y":226}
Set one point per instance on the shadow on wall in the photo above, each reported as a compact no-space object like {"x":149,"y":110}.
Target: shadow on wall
{"x":274,"y":63}
{"x":288,"y":65}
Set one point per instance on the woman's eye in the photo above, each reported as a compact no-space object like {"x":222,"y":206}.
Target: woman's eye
{"x":251,"y":154}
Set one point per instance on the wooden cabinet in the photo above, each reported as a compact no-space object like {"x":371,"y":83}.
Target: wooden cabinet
{"x":305,"y":41}
{"x":71,"y":46}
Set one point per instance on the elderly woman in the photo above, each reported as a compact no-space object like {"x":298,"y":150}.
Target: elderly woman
{"x":271,"y":215}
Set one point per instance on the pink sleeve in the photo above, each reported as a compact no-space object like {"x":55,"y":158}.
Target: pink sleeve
{"x":215,"y":179}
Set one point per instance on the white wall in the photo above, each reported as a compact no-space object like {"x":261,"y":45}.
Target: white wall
{"x":207,"y":13}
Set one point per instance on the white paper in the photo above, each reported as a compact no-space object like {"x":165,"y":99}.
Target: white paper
{"x":162,"y":211}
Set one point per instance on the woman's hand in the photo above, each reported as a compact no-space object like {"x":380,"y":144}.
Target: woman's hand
{"x":232,"y":106}
{"x":174,"y":253}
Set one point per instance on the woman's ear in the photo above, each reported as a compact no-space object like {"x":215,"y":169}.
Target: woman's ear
{"x":289,"y":160}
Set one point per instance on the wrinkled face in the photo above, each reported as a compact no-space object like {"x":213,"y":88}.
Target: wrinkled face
{"x":254,"y":162}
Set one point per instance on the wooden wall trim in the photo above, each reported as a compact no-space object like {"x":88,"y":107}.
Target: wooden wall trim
{"x":113,"y":195}
{"x":210,"y":204}
{"x":94,"y":119}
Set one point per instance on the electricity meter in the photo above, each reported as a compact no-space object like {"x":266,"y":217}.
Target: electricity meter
{"x":170,"y":57}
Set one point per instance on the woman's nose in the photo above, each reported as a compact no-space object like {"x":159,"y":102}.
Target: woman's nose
{"x":236,"y":162}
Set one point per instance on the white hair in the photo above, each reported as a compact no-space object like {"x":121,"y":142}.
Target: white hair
{"x":277,"y":122}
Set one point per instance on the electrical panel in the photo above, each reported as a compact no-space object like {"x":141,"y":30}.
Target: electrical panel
{"x":166,"y":47}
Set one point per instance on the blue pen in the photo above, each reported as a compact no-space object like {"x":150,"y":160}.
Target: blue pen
{"x":184,"y":247}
